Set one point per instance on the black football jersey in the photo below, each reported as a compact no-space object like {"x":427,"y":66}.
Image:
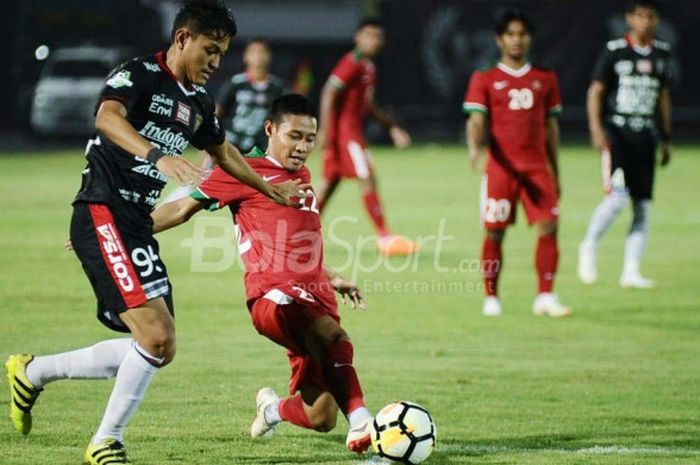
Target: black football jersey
{"x":633,"y":78}
{"x":246,"y":105}
{"x":166,"y":113}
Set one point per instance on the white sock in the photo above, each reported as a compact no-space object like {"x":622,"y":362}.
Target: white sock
{"x":100,"y":361}
{"x":636,"y":242}
{"x":133,"y":378}
{"x":272,"y":413}
{"x":604,"y":215}
{"x":359,"y":417}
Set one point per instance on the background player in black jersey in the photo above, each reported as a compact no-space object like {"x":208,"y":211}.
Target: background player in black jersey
{"x":629,"y":111}
{"x":243,"y":101}
{"x":150,"y":109}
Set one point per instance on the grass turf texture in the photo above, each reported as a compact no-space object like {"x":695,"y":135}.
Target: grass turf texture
{"x":614,"y":384}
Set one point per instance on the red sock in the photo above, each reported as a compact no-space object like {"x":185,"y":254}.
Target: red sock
{"x":491,"y":263}
{"x":292,"y":410}
{"x":341,"y":376}
{"x":546,"y":260}
{"x":374,"y":210}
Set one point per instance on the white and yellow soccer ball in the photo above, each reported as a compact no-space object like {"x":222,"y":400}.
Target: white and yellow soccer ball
{"x":403,"y":432}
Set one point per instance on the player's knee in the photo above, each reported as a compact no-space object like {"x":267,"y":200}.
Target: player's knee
{"x":161,"y":344}
{"x":495,"y":234}
{"x":323,"y":420}
{"x":547,"y":228}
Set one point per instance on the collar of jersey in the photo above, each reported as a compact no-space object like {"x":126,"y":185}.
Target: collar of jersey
{"x":646,"y":50}
{"x":272,"y":160}
{"x":160,"y":56}
{"x":514,"y":72}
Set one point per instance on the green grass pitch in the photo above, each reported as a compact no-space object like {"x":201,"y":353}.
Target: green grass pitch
{"x":617,"y":383}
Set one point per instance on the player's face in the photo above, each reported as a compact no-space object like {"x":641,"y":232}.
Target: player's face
{"x":643,"y":22}
{"x":292,"y":140}
{"x":370,"y":40}
{"x":257,"y":56}
{"x":201,"y":56}
{"x":515,"y":41}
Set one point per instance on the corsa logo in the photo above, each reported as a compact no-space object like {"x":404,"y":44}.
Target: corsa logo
{"x":116,"y":256}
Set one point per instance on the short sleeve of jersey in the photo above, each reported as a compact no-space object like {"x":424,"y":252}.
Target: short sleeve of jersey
{"x":125,"y":84}
{"x":603,"y":67}
{"x":668,"y":75}
{"x":220,"y":189}
{"x":554,"y":106}
{"x":345,"y":72}
{"x":476,"y":98}
{"x":210,"y":132}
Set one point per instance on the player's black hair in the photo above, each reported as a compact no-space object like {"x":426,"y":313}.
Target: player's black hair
{"x":290,"y":104}
{"x":653,"y":4}
{"x":509,"y":16}
{"x":209,"y":17}
{"x":369,"y":22}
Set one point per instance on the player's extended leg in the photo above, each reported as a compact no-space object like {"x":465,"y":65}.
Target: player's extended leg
{"x":635,"y":247}
{"x":603,"y":216}
{"x":28,"y":374}
{"x":546,"y":262}
{"x":326,"y":190}
{"x":491,"y":264}
{"x":328,"y":342}
{"x":389,"y":244}
{"x":153,"y":329}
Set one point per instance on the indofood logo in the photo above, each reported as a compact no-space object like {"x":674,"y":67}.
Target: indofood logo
{"x":170,"y":142}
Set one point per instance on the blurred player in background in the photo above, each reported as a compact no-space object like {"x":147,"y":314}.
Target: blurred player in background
{"x":289,"y":292}
{"x":149,"y":111}
{"x":518,"y":105}
{"x":346,"y":98}
{"x":242,"y":102}
{"x":629,"y":111}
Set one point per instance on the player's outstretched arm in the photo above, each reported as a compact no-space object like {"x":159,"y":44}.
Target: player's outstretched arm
{"x":553,"y":148}
{"x":111,"y":121}
{"x":594,"y":108}
{"x":665,"y":117}
{"x":475,"y":131}
{"x":399,"y":136}
{"x":346,"y":288}
{"x":329,"y":98}
{"x":231,"y":161}
{"x":175,"y":213}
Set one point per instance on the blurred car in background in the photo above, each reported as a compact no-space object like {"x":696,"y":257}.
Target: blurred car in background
{"x":68,"y":88}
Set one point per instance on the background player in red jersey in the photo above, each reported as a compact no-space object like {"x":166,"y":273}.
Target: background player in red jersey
{"x":289,"y":293}
{"x":519,"y":103}
{"x":346,"y":99}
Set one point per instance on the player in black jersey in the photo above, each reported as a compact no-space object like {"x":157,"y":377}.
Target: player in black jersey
{"x":243,"y":101}
{"x":629,"y":111}
{"x":150,"y":110}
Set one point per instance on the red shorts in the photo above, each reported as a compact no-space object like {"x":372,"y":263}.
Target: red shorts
{"x":285,"y":319}
{"x":501,"y":188}
{"x":347,"y":156}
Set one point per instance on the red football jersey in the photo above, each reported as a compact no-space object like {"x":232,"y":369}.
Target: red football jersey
{"x":281,"y":247}
{"x":356,"y":77}
{"x":518,"y":103}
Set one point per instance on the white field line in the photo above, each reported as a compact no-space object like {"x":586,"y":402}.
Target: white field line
{"x":594,"y":450}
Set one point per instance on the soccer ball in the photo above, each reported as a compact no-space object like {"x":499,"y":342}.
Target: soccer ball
{"x":403,"y":432}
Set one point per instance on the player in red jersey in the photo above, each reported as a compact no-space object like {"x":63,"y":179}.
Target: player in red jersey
{"x":289,"y":293}
{"x":520,"y":104}
{"x":346,"y":99}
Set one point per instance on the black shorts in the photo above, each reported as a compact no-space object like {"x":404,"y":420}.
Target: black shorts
{"x":632,"y":162}
{"x":120,"y":260}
